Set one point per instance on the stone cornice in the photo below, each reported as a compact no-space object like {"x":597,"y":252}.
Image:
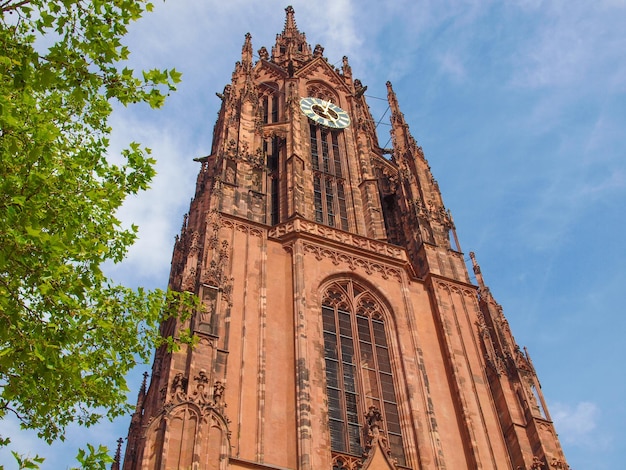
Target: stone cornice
{"x":338,"y":239}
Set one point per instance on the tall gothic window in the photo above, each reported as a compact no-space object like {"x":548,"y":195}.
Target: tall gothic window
{"x":328,"y":184}
{"x":270,"y":108}
{"x":358,"y":368}
{"x":271,"y":148}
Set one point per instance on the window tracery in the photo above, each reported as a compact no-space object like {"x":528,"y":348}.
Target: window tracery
{"x":328,"y":183}
{"x":358,"y":368}
{"x":270,"y":111}
{"x":327,"y":163}
{"x":271,"y":148}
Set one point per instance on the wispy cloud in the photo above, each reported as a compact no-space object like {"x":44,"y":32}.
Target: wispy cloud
{"x":569,"y":43}
{"x":340,"y":28}
{"x":158,"y":211}
{"x":452,"y":65}
{"x":577,"y":424}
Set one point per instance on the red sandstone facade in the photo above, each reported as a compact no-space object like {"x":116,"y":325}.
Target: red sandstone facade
{"x":340,"y":328}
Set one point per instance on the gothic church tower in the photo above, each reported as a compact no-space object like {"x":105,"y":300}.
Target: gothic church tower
{"x":339,"y":327}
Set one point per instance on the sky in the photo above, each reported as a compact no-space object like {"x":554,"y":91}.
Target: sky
{"x":520,"y":107}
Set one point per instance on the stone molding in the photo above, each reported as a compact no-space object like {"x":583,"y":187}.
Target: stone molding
{"x":353,"y":262}
{"x":301,"y":226}
{"x":229,"y":222}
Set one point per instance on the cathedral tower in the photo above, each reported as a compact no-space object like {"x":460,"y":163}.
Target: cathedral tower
{"x":339,"y":328}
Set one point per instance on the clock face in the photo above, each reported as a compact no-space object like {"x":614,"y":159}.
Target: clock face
{"x":324,"y":113}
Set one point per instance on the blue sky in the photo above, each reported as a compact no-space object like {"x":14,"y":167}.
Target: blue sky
{"x":520,"y":107}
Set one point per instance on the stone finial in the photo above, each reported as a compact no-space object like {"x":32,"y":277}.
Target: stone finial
{"x":318,"y":51}
{"x":476,"y":267}
{"x":141,"y":395}
{"x":118,"y":455}
{"x":263,"y":54}
{"x":373,"y":417}
{"x":246,"y":51}
{"x":290,"y":20}
{"x":392,"y":99}
{"x":345,"y":68}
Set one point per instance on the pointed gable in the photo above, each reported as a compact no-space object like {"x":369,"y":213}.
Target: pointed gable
{"x":320,"y":69}
{"x":377,"y":458}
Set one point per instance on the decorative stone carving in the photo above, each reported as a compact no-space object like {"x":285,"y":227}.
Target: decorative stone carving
{"x":368,"y":307}
{"x":263,"y":54}
{"x":354,"y":262}
{"x":346,"y":462}
{"x":375,"y":436}
{"x":329,"y":233}
{"x":178,"y":389}
{"x":521,"y":361}
{"x":256,"y":159}
{"x":243,"y":227}
{"x":537,"y":464}
{"x":321,"y":91}
{"x":189,"y":279}
{"x":201,"y":395}
{"x":194,"y":246}
{"x":206,"y":397}
{"x":335,"y":298}
{"x":208,"y":308}
{"x":373,"y":417}
{"x":318,"y":51}
{"x":218,"y":391}
{"x":491,"y":356}
{"x":559,"y":464}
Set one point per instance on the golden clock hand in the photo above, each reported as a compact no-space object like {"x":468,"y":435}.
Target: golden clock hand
{"x":328,"y":103}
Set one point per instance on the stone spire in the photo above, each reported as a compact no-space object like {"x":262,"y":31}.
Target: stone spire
{"x":246,"y":52}
{"x":403,"y":140}
{"x":118,"y":455}
{"x":477,"y":272}
{"x":423,"y":202}
{"x":291,"y":49}
{"x":141,"y":395}
{"x":290,"y":22}
{"x":142,"y":390}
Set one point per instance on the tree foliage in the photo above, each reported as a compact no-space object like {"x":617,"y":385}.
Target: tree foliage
{"x":68,"y":334}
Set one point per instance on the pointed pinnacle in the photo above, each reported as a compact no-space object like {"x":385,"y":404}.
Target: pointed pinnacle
{"x":246,"y":50}
{"x":290,"y":21}
{"x":392,"y":99}
{"x":479,"y":276}
{"x":143,"y":383}
{"x":118,"y":455}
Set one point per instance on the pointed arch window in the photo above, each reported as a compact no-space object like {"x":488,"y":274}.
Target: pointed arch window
{"x":328,"y":184}
{"x":271,"y":148}
{"x":270,"y":108}
{"x":358,"y":368}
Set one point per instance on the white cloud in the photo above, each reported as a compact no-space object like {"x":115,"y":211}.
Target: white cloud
{"x":158,"y":211}
{"x":452,"y":65}
{"x":577,"y":425}
{"x":569,"y":43}
{"x":341,"y":29}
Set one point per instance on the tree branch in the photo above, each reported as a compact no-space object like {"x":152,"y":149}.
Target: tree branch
{"x":5,"y":406}
{"x":7,"y":7}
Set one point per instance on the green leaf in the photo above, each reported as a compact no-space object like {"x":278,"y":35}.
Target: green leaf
{"x":175,"y":76}
{"x":68,"y":333}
